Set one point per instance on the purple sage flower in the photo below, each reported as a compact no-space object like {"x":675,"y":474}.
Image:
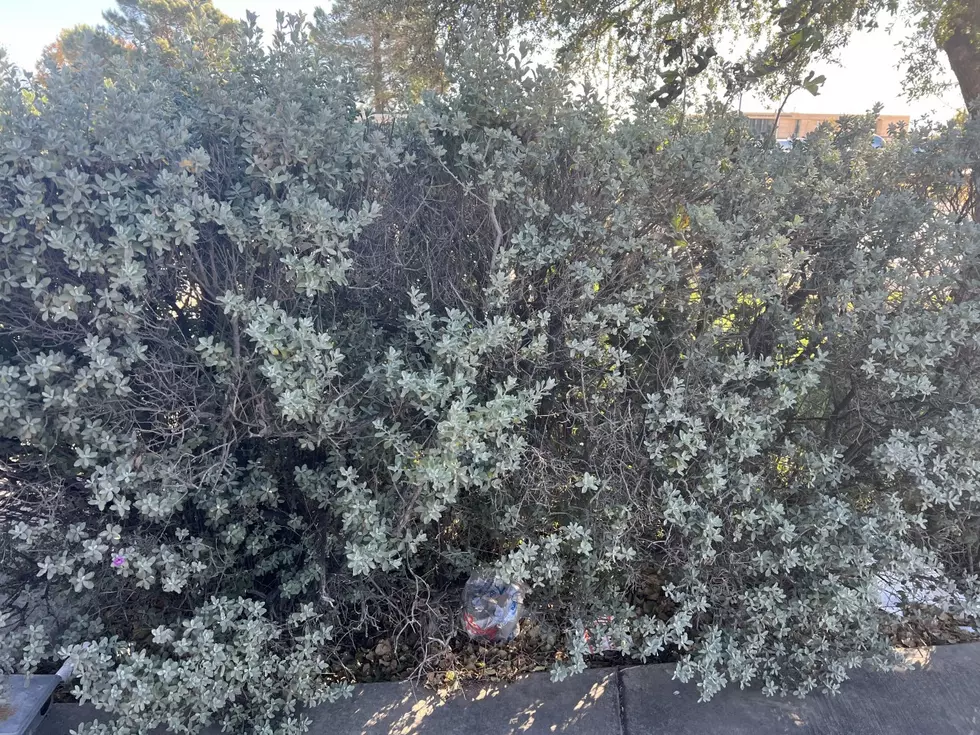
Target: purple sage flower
{"x":118,"y":561}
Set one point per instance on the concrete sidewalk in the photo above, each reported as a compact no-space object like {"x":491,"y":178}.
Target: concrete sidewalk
{"x":940,"y":697}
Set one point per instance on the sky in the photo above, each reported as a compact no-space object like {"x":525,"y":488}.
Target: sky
{"x":868,"y":72}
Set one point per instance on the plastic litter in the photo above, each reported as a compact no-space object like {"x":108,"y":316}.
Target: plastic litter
{"x":603,"y":644}
{"x":492,"y":608}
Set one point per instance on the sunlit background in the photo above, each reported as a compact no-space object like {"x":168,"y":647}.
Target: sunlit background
{"x":868,"y":70}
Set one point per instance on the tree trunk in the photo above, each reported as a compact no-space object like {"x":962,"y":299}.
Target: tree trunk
{"x":962,"y":47}
{"x":377,"y":68}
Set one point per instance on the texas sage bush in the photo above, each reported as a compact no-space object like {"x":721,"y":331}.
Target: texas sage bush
{"x":276,"y":377}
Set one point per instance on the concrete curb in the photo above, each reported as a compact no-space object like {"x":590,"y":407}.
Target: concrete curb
{"x":941,"y":696}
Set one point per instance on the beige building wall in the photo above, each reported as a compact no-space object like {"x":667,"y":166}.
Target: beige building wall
{"x":799,"y":124}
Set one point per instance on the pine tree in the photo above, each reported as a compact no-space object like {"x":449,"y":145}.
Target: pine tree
{"x":393,"y":50}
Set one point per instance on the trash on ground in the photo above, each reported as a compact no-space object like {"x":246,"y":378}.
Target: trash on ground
{"x":895,"y":593}
{"x":492,"y":608}
{"x":604,"y":643}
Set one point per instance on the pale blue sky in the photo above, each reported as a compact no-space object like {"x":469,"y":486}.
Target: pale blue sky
{"x":867,"y":74}
{"x":27,"y":26}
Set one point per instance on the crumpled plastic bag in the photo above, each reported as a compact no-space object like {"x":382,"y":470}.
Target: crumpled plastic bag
{"x":492,"y":608}
{"x":605,"y":642}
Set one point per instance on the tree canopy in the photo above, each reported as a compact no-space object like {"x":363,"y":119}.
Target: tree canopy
{"x":393,"y":51}
{"x":669,"y":44}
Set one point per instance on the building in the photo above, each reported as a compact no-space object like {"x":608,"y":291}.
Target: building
{"x":799,"y":124}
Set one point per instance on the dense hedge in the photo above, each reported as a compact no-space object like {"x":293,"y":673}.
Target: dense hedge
{"x":275,"y":378}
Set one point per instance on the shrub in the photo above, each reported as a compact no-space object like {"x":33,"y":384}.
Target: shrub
{"x":275,"y":378}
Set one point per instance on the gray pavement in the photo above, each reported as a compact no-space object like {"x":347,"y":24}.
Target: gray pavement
{"x":586,"y":705}
{"x":939,"y":697}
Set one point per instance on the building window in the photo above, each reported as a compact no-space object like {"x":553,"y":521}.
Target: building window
{"x":760,"y":126}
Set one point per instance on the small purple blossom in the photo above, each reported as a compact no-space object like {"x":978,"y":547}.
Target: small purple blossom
{"x":118,"y":561}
